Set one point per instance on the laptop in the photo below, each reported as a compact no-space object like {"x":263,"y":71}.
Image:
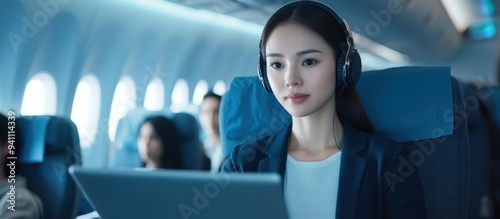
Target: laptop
{"x":127,"y":193}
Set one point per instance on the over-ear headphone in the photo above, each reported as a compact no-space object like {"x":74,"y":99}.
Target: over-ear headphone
{"x":348,"y":61}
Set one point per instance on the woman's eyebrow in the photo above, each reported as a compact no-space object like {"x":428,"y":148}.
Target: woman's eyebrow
{"x":299,"y":53}
{"x":307,"y":51}
{"x":274,"y":55}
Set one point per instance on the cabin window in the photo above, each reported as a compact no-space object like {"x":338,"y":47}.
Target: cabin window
{"x":199,"y":91}
{"x":123,"y":101}
{"x":40,"y":95}
{"x":220,"y":87}
{"x":85,"y":109}
{"x":180,"y":96}
{"x":155,"y":95}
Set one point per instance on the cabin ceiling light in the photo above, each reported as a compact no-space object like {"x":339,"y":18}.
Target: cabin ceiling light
{"x":464,"y":13}
{"x":460,"y":15}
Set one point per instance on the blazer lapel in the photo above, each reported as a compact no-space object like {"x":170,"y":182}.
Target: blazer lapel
{"x":276,"y":151}
{"x":351,"y":173}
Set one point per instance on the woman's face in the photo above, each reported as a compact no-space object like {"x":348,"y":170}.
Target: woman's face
{"x":149,"y":143}
{"x":301,"y":70}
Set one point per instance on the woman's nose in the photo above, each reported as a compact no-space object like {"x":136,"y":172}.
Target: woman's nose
{"x":293,"y":78}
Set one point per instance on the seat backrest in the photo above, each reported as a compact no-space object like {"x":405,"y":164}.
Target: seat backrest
{"x":49,"y":146}
{"x":421,"y":106}
{"x":425,"y":108}
{"x":478,"y":122}
{"x":124,"y":153}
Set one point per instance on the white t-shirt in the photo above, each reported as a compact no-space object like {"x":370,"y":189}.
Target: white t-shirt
{"x":214,"y":152}
{"x":311,"y":187}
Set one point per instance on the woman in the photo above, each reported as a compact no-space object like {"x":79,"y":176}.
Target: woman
{"x":332,"y":164}
{"x":158,"y":143}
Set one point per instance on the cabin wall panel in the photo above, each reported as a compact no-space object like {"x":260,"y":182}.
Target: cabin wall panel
{"x":11,"y":13}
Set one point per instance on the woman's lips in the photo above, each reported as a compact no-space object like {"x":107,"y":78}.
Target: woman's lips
{"x":296,"y":98}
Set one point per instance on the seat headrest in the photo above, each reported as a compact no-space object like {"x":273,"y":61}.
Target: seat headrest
{"x":44,"y":134}
{"x":186,"y":125}
{"x":124,"y":151}
{"x":248,"y":112}
{"x":404,"y":103}
{"x":60,"y":134}
{"x":395,"y":99}
{"x":33,"y":135}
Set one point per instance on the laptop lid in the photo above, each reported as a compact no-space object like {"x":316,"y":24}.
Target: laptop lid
{"x":180,"y":194}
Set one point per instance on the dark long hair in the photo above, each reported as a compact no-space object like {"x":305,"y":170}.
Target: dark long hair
{"x":348,"y":104}
{"x":170,"y":140}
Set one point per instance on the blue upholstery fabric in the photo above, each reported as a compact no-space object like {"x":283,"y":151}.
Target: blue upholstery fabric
{"x":49,"y":179}
{"x":443,"y":164}
{"x":421,"y":106}
{"x":249,"y":112}
{"x":124,"y":153}
{"x":34,"y":147}
{"x":408,"y":94}
{"x":478,"y":117}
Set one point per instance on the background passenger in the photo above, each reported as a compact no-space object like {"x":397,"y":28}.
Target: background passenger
{"x":159,"y":144}
{"x":27,"y":204}
{"x":332,"y":164}
{"x":209,"y":120}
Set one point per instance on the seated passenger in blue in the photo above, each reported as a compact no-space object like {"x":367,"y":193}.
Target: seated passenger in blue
{"x":16,"y":201}
{"x":158,"y":144}
{"x":332,"y":164}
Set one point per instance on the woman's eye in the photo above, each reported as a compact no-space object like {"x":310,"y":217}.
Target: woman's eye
{"x":309,"y":62}
{"x":276,"y":65}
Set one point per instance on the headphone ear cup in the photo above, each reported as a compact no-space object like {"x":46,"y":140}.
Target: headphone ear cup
{"x":353,"y":69}
{"x":262,"y":73}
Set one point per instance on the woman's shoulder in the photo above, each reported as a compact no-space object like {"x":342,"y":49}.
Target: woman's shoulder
{"x":374,"y":138}
{"x":376,"y":145}
{"x":248,"y":155}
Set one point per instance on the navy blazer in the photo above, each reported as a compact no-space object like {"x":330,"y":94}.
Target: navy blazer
{"x":376,"y":179}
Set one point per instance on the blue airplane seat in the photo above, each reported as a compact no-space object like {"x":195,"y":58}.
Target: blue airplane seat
{"x":124,"y":153}
{"x":424,"y":107}
{"x":419,"y":106}
{"x":49,"y":146}
{"x":478,"y":117}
